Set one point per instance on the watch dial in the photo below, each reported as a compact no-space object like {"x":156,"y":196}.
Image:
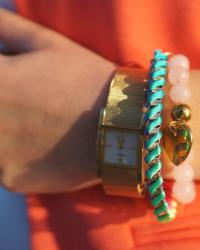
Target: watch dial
{"x":120,"y":147}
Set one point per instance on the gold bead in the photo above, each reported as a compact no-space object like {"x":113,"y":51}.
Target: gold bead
{"x":181,"y":112}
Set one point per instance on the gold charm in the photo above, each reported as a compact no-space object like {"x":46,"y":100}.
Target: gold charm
{"x":177,"y":141}
{"x":181,"y":112}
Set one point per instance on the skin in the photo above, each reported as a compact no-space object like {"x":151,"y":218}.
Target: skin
{"x":48,"y":121}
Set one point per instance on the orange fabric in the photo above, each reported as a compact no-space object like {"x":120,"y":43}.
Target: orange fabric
{"x":127,"y":32}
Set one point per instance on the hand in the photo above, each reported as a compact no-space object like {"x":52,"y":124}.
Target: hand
{"x":51,"y":92}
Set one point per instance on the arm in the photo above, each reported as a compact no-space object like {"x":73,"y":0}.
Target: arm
{"x":51,"y":93}
{"x":50,"y":97}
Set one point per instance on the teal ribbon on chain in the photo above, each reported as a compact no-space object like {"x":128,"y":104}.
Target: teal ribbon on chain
{"x":153,"y":122}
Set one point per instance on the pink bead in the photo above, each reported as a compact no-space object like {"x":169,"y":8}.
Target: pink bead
{"x":178,"y":76}
{"x":179,"y":61}
{"x":184,"y":192}
{"x":180,"y":93}
{"x":183,"y":173}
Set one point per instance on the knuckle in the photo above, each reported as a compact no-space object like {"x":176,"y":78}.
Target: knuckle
{"x":4,"y":16}
{"x":2,"y":11}
{"x":8,"y":182}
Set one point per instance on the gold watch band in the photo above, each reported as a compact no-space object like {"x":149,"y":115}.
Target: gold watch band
{"x":120,"y":163}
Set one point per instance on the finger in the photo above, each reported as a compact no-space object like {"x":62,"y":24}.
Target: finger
{"x":19,"y":34}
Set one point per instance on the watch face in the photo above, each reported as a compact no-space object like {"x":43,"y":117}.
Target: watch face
{"x":121,"y":147}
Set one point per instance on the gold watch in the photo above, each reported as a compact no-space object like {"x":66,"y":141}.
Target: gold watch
{"x":120,"y":139}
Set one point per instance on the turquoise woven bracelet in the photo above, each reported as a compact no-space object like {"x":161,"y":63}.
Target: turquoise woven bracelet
{"x":153,"y":135}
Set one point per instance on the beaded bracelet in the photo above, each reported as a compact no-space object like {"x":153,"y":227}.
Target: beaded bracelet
{"x":177,"y":139}
{"x":153,"y":135}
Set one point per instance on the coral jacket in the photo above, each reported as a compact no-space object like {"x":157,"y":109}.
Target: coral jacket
{"x":126,"y":32}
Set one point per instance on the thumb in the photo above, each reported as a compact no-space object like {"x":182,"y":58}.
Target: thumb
{"x":19,"y":34}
